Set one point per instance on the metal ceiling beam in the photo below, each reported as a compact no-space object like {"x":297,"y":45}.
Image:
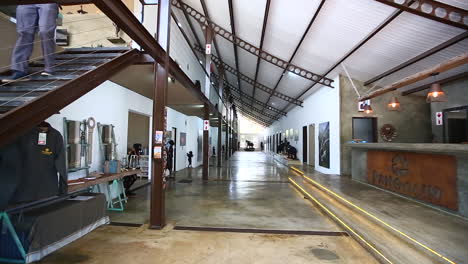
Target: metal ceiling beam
{"x":265,"y":20}
{"x":243,"y":77}
{"x":250,"y":114}
{"x":355,"y":48}
{"x":233,"y":28}
{"x":242,"y":94}
{"x":254,"y":109}
{"x":275,"y":60}
{"x":433,"y":10}
{"x":443,"y":81}
{"x":231,"y":88}
{"x":421,"y":56}
{"x":299,"y":45}
{"x":254,"y":120}
{"x":441,"y":67}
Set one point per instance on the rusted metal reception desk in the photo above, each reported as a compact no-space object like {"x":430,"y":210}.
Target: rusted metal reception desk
{"x":436,"y":174}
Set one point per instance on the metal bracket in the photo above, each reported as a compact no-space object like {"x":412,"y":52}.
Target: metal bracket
{"x":434,"y":10}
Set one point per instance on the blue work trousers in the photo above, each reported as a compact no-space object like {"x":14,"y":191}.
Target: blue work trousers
{"x":31,"y":19}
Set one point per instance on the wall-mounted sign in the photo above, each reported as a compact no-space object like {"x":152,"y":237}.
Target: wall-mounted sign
{"x":439,"y":118}
{"x":208,"y":49}
{"x":362,"y":104}
{"x":157,"y":151}
{"x":206,"y":125}
{"x":158,"y":137}
{"x":426,"y":177}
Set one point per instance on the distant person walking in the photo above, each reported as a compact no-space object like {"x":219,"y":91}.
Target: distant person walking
{"x":190,"y":156}
{"x":30,"y":19}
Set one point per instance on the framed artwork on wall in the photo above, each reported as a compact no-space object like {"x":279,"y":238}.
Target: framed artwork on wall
{"x":324,"y":144}
{"x":183,"y":139}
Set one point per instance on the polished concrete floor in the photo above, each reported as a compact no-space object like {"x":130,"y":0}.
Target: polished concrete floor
{"x":251,"y":192}
{"x":124,"y":245}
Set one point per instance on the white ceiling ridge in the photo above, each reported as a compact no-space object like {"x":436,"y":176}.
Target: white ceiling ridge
{"x":275,"y":60}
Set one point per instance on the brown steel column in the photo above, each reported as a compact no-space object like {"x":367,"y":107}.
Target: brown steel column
{"x":220,"y":134}
{"x":226,"y":139}
{"x":157,"y":210}
{"x":206,"y":143}
{"x":208,"y":51}
{"x":231,"y":142}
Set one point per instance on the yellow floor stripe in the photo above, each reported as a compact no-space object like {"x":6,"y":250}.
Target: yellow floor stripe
{"x":375,"y":217}
{"x":341,"y":222}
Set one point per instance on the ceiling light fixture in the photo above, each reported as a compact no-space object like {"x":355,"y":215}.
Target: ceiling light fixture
{"x":394,"y":104}
{"x":436,"y":94}
{"x":368,"y":109}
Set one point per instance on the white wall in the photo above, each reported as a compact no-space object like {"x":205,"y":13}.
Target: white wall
{"x":321,"y":106}
{"x":109,"y":103}
{"x":185,"y":124}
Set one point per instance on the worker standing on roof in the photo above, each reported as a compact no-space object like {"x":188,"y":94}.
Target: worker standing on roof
{"x":29,"y":20}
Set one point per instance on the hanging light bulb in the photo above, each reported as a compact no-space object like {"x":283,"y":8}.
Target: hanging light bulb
{"x":394,"y":104}
{"x":368,"y":109}
{"x":436,"y":94}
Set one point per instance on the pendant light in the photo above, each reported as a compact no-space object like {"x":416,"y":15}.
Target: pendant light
{"x":368,"y":109}
{"x":436,"y":94}
{"x":394,"y":104}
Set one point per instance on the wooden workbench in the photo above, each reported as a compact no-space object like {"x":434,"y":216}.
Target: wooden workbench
{"x":101,"y":178}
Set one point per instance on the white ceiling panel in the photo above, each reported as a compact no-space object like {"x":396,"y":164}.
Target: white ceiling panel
{"x":219,"y":12}
{"x":287,"y":22}
{"x":268,"y":74}
{"x":397,"y":43}
{"x":277,"y":103}
{"x":247,"y":63}
{"x":231,"y":78}
{"x":248,"y":19}
{"x":292,"y":84}
{"x":246,"y":87}
{"x":261,"y":95}
{"x":340,"y":26}
{"x":226,"y":51}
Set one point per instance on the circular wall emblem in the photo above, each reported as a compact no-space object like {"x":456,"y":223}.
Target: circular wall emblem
{"x":399,"y":165}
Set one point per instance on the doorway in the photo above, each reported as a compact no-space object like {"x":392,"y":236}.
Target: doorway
{"x":304,"y":144}
{"x":365,"y":129}
{"x":456,"y":125}
{"x":311,"y":141}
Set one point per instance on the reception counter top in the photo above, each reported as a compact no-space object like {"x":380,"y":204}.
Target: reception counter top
{"x":414,"y":147}
{"x":435,"y":174}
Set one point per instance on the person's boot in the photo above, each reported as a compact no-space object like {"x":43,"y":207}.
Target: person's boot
{"x":17,"y":76}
